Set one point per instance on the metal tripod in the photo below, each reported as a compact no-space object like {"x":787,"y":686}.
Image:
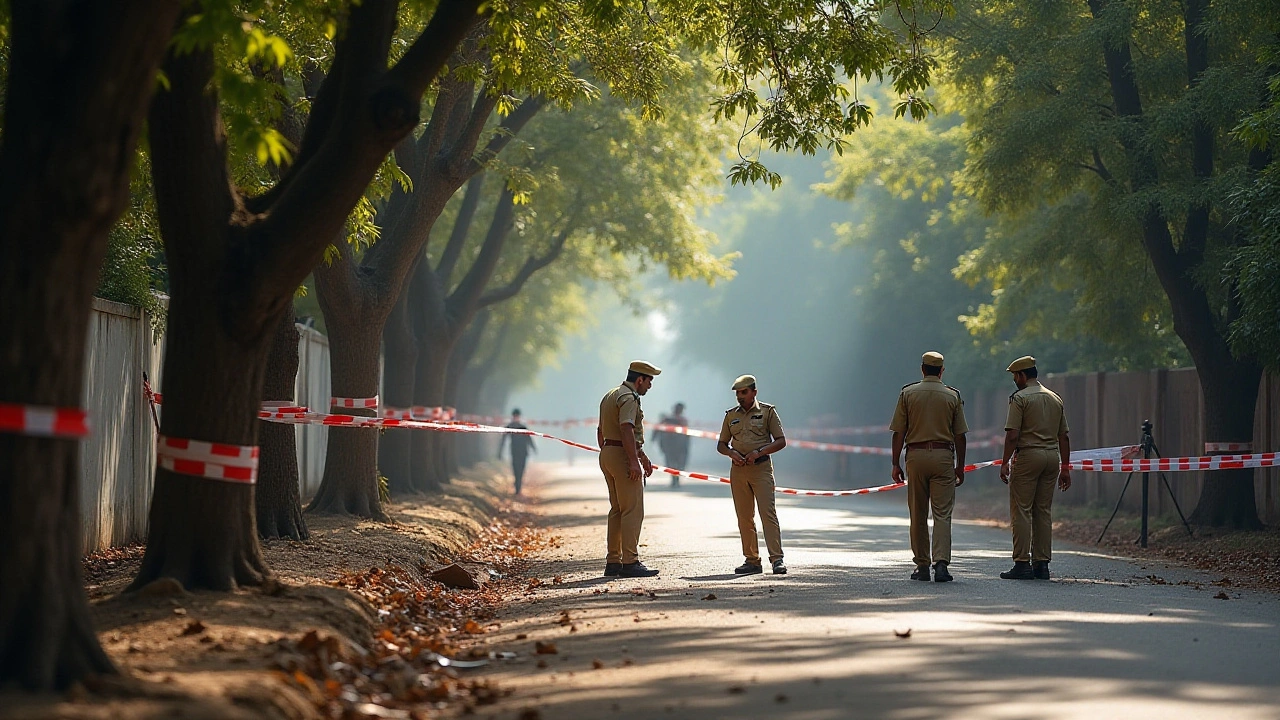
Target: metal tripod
{"x":1149,"y":451}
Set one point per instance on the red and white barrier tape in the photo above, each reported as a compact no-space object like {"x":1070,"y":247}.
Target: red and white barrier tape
{"x":420,"y":412}
{"x":216,"y":461}
{"x":1211,"y":448}
{"x":344,"y":402}
{"x":41,"y":421}
{"x":809,"y":444}
{"x":1181,"y":464}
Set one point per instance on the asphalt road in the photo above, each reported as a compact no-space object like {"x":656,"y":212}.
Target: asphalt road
{"x":1107,"y":638}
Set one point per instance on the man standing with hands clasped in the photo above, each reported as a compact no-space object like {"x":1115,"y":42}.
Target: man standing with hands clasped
{"x":929,"y":421}
{"x":755,"y":431}
{"x":625,"y":466}
{"x":1035,"y":438}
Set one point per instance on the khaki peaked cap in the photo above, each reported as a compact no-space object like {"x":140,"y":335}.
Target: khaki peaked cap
{"x":744,"y":381}
{"x":1023,"y":363}
{"x":645,"y":368}
{"x":932,"y":359}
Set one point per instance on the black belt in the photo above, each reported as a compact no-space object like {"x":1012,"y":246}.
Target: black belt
{"x":618,"y":443}
{"x":762,"y":459}
{"x":931,"y":445}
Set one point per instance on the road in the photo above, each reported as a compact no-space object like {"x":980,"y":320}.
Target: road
{"x":1106,"y":638}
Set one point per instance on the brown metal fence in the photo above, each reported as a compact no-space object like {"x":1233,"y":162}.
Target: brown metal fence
{"x":1107,"y":409}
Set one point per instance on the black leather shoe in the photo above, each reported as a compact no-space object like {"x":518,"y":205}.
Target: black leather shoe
{"x":612,"y":569}
{"x":921,"y":573}
{"x":940,"y":572}
{"x":1040,"y":569}
{"x":636,"y":569}
{"x":1021,"y":571}
{"x":748,"y":568}
{"x":779,"y":567}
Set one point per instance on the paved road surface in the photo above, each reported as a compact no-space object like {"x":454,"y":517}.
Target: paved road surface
{"x":1102,"y":640}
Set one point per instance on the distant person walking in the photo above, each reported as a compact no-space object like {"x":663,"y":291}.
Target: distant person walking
{"x":521,"y":446}
{"x":620,"y":435}
{"x":1035,"y":440}
{"x":751,"y":432}
{"x":929,"y":422}
{"x":675,"y":446}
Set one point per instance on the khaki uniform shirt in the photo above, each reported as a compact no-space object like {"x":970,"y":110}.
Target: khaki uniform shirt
{"x":929,"y":411}
{"x":750,"y":429}
{"x":619,"y":406}
{"x":1036,"y":413}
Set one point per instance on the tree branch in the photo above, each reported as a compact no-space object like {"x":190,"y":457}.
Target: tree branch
{"x":510,"y":126}
{"x":1196,"y":230}
{"x":450,"y":23}
{"x":461,"y":228}
{"x":462,"y":301}
{"x":532,"y":264}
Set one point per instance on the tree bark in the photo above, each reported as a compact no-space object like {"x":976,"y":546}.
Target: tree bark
{"x":235,"y":263}
{"x":464,"y":446}
{"x":400,"y":357}
{"x":350,"y":482}
{"x":278,"y":497}
{"x":78,"y":80}
{"x":1229,"y":384}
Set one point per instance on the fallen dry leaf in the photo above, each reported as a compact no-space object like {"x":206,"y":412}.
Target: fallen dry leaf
{"x":902,"y":633}
{"x":1222,"y":595}
{"x":736,"y":690}
{"x":780,"y":698}
{"x":710,"y":596}
{"x":598,"y":664}
{"x":195,"y":627}
{"x":545,"y":648}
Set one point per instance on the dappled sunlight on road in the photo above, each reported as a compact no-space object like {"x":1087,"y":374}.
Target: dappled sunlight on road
{"x":846,"y":630}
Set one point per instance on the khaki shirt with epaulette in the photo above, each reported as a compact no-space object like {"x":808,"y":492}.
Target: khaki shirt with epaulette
{"x":750,"y":429}
{"x":619,"y":406}
{"x":929,"y":411}
{"x":1036,"y":413}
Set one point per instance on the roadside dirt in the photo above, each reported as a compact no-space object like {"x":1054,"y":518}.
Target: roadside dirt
{"x":354,"y":627}
{"x":1243,"y":558}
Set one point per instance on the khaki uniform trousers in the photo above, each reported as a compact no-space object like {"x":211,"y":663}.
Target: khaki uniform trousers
{"x":1031,"y":483}
{"x":931,"y":485}
{"x":752,"y":487}
{"x":626,"y":507}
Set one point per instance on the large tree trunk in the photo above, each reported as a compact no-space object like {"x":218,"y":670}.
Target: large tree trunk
{"x":1230,"y":397}
{"x":279,"y":502}
{"x":203,"y":531}
{"x":427,"y":452}
{"x":400,"y":357}
{"x":1230,"y":385}
{"x":350,"y":482}
{"x":79,"y":75}
{"x":465,"y":448}
{"x":235,"y":262}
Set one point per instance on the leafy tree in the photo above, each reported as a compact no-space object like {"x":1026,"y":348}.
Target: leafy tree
{"x":77,"y":76}
{"x":235,"y":258}
{"x":1256,"y":264}
{"x":606,"y":180}
{"x":1114,"y":125}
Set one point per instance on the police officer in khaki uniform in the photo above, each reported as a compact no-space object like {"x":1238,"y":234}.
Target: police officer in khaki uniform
{"x":929,"y":422}
{"x":625,"y":466}
{"x":752,"y":431}
{"x":1036,"y":440}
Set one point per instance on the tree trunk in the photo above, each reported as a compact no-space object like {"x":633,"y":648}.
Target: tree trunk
{"x":430,"y":471}
{"x":465,"y":448}
{"x":400,"y":357}
{"x":350,"y":482}
{"x":1230,"y":397}
{"x":203,"y":531}
{"x":1229,"y":385}
{"x":279,"y":503}
{"x":78,"y":79}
